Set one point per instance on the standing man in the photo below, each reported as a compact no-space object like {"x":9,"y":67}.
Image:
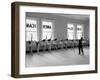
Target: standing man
{"x":81,"y":46}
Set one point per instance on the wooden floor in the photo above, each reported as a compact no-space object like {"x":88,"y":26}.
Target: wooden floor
{"x":57,"y":58}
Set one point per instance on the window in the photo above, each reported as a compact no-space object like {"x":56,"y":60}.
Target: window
{"x":47,"y":30}
{"x":31,"y":30}
{"x":79,"y":31}
{"x":70,"y":31}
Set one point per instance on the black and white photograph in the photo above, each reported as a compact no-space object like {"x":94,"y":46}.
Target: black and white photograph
{"x":51,"y":39}
{"x":57,"y":39}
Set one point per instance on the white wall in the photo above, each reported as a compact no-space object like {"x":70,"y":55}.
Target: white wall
{"x":5,"y":40}
{"x":86,"y":30}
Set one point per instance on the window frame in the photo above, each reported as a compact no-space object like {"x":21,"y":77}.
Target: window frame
{"x":37,"y":31}
{"x":73,"y":30}
{"x":47,"y":20}
{"x":82,"y":30}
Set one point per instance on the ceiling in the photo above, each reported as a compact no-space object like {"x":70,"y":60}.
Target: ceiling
{"x":75,"y":16}
{"x":71,"y":16}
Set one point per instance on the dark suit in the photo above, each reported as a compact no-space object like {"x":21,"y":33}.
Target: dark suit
{"x":81,"y":47}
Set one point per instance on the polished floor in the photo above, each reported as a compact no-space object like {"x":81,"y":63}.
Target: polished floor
{"x":57,"y":58}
